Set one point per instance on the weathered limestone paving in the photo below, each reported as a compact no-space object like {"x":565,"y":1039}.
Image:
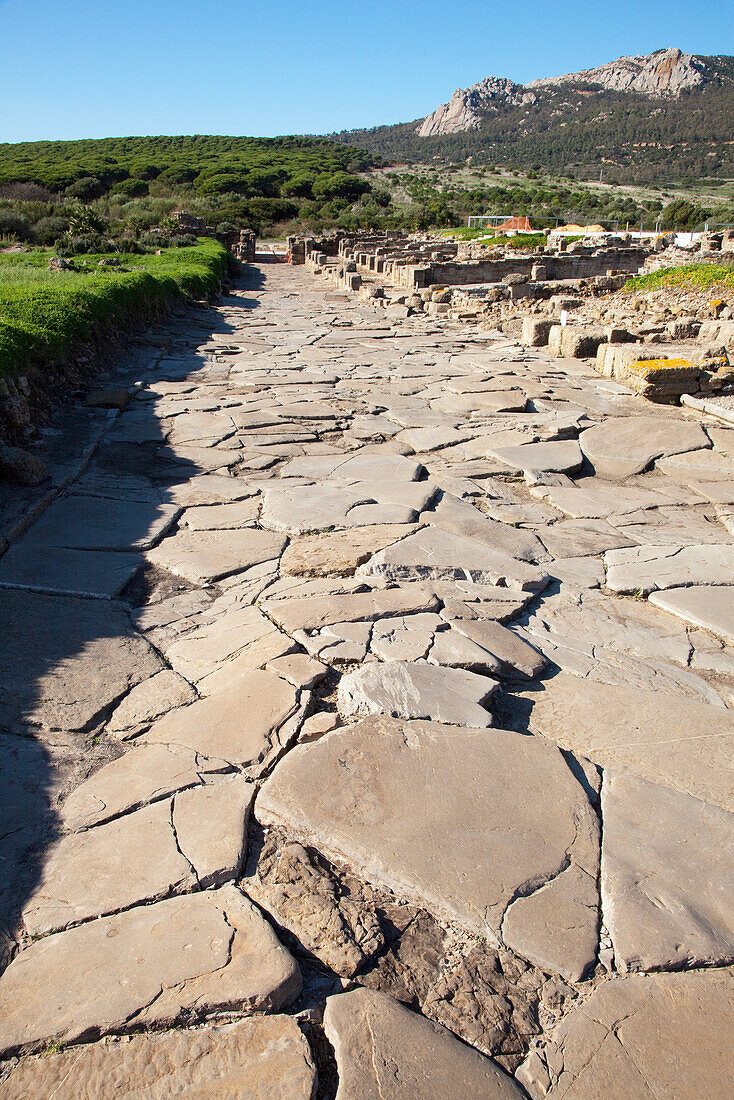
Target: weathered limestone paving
{"x":366,"y":701}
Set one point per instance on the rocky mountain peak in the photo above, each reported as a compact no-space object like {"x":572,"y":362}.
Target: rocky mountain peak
{"x":663,"y":73}
{"x":466,"y":106}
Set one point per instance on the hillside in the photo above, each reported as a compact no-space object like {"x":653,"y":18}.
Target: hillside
{"x":656,"y":118}
{"x":85,"y":193}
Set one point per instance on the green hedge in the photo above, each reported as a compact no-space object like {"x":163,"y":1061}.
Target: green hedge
{"x":43,"y":313}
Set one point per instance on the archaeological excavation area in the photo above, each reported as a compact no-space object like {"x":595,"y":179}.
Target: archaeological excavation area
{"x":366,"y":693}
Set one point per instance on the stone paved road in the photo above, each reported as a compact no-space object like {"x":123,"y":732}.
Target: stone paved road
{"x":368,"y":691}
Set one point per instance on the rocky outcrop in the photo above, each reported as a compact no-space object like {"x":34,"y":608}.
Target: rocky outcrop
{"x":663,"y":73}
{"x":465,"y":108}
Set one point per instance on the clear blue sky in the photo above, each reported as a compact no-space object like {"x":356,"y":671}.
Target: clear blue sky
{"x":96,"y":68}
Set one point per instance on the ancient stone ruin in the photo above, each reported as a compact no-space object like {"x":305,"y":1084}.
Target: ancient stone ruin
{"x":366,"y":692}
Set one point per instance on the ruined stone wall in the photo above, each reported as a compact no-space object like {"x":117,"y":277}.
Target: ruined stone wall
{"x":555,"y":266}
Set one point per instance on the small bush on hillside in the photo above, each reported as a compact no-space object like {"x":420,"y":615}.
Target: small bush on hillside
{"x":155,"y":238}
{"x":48,"y":230}
{"x":86,"y":189}
{"x":71,"y":245}
{"x":25,"y":192}
{"x":15,"y":225}
{"x":129,"y":189}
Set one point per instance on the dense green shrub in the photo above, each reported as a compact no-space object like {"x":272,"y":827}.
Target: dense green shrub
{"x":86,"y":189}
{"x":129,"y":189}
{"x":48,"y":230}
{"x":14,"y":225}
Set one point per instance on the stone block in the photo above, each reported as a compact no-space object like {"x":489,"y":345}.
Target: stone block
{"x":535,"y":331}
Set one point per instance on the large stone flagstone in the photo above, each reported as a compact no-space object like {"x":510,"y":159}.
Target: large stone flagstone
{"x":667,"y":876}
{"x":465,"y":821}
{"x":644,"y":1036}
{"x":267,"y":1057}
{"x":579,"y":537}
{"x":464,"y":519}
{"x":556,"y":457}
{"x":622,"y":446}
{"x":195,"y":953}
{"x":53,"y":570}
{"x":681,"y":743}
{"x":313,"y":612}
{"x":517,"y":659}
{"x":433,"y":553}
{"x":63,"y":661}
{"x":708,"y":605}
{"x":148,"y":701}
{"x":311,"y":508}
{"x":91,"y":523}
{"x":196,"y":839}
{"x":416,"y":689}
{"x":204,"y":650}
{"x":354,"y":467}
{"x":206,"y":556}
{"x":339,"y":554}
{"x":222,"y":517}
{"x":143,"y":775}
{"x":385,"y":1052}
{"x":239,"y":724}
{"x":208,"y":489}
{"x":644,"y":568}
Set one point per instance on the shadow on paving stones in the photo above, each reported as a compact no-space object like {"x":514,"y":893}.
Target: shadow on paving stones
{"x":69,"y":652}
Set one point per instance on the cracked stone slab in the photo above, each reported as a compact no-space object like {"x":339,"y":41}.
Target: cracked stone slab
{"x":621,"y":643}
{"x":433,"y":553}
{"x":462,"y":518}
{"x":208,"y":489}
{"x":206,"y":648}
{"x":240,"y":724}
{"x":667,"y":876}
{"x":148,"y":701}
{"x":516,"y":658}
{"x":462,"y":820}
{"x":405,"y":689}
{"x":311,"y":613}
{"x":646,"y":568}
{"x":339,"y":554}
{"x":597,"y":499}
{"x":357,"y":467}
{"x":91,"y":523}
{"x":678,"y":742}
{"x":195,"y":839}
{"x":563,"y":457}
{"x":143,"y":775}
{"x":64,"y":661}
{"x":622,"y":446}
{"x":52,"y":570}
{"x":221,"y":517}
{"x":266,"y":1056}
{"x":311,"y":508}
{"x":577,"y":538}
{"x":386,"y":1052}
{"x":207,"y":556}
{"x":643,"y":1036}
{"x":708,"y":605}
{"x":406,"y":637}
{"x":191,"y":954}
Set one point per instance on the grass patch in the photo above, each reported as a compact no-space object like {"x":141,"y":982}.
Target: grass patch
{"x":44,"y":313}
{"x":690,"y":276}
